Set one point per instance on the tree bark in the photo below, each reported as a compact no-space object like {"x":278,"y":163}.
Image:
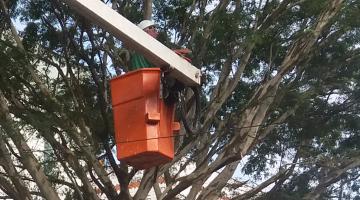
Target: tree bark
{"x":8,"y":188}
{"x":148,"y":180}
{"x":212,"y":191}
{"x":12,"y":27}
{"x":10,"y":169}
{"x":27,"y":157}
{"x":147,"y":9}
{"x":266,"y":183}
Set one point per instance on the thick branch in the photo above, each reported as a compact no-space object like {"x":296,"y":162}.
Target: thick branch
{"x":332,"y":177}
{"x":28,"y":158}
{"x":263,"y":185}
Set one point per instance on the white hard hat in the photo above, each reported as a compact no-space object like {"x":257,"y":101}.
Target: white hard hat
{"x":146,"y":23}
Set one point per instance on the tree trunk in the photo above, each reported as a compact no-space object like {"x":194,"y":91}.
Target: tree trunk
{"x":147,"y":9}
{"x":10,"y":169}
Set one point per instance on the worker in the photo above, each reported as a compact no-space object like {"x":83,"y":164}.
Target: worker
{"x":138,"y":60}
{"x":171,"y":86}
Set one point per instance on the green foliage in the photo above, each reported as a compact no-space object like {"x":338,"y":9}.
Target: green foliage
{"x":30,"y":36}
{"x":324,"y":85}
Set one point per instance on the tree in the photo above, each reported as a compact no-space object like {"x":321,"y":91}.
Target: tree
{"x":279,"y":102}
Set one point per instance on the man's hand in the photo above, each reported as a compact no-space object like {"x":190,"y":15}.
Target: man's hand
{"x":182,"y":53}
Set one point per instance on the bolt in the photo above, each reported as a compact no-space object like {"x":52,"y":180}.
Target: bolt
{"x":197,"y":75}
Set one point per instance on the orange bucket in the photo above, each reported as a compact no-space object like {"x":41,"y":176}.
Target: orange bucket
{"x":143,"y":124}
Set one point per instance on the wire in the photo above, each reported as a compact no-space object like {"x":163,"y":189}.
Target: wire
{"x":146,"y":139}
{"x":140,"y":140}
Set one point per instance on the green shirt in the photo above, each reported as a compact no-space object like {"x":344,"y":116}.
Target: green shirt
{"x":138,"y":61}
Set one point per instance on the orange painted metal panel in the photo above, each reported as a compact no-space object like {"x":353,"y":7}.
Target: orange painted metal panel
{"x":143,"y":123}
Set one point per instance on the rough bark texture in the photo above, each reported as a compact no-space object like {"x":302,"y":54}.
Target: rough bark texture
{"x":7,"y":164}
{"x":147,"y":9}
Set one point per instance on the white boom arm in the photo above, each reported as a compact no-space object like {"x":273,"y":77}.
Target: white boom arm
{"x":137,"y":39}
